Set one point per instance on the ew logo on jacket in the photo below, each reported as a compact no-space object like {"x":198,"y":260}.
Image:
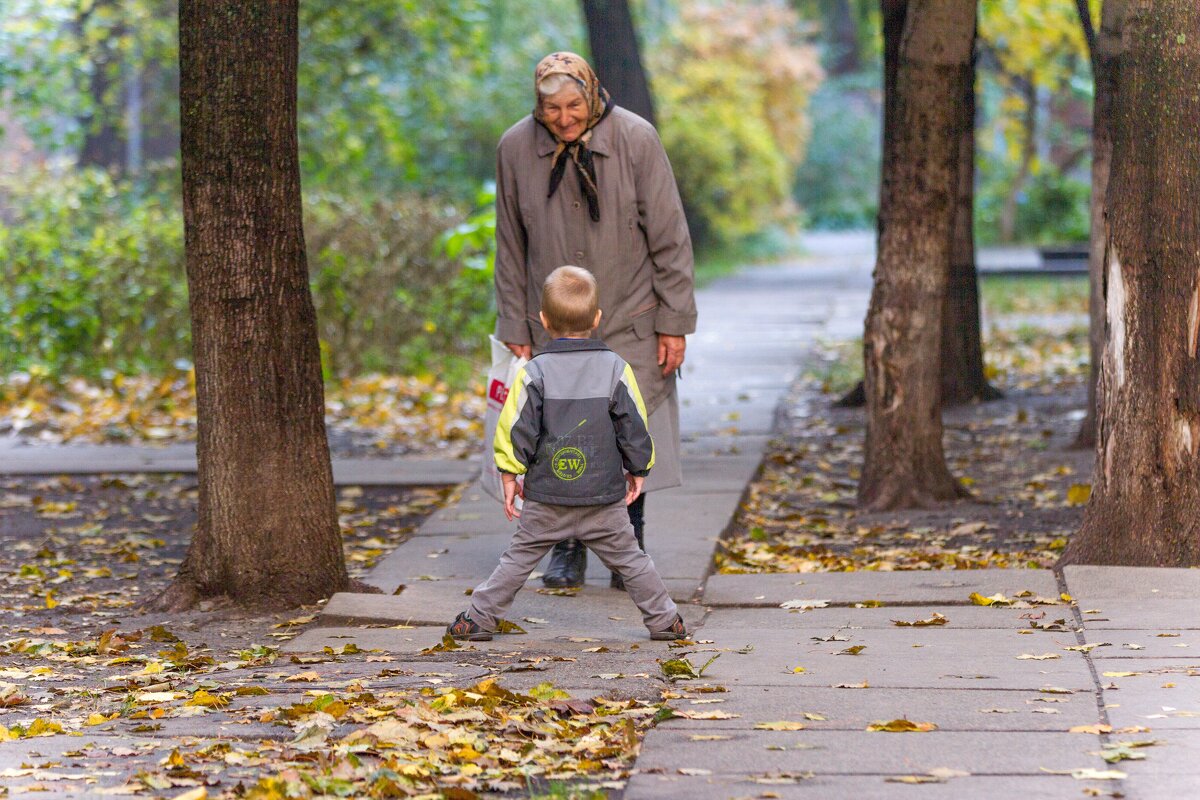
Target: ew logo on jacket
{"x":568,"y":463}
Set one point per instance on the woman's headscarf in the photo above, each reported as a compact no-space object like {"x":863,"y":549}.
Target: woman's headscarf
{"x":599,"y":104}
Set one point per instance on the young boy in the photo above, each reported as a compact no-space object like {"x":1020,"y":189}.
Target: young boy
{"x":574,"y":425}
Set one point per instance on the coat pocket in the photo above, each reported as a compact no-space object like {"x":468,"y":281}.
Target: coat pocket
{"x":643,"y":323}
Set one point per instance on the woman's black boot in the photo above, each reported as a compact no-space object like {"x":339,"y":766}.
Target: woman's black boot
{"x":568,"y":565}
{"x":637,"y":517}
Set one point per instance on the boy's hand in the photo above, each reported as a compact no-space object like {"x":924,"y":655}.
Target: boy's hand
{"x":633,"y":487}
{"x":512,"y":490}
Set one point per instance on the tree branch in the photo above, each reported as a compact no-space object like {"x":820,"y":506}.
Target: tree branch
{"x":1089,"y":30}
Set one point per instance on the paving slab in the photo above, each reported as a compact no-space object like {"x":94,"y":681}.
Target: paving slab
{"x":1091,"y":584}
{"x":1138,"y":644}
{"x":1154,"y":707}
{"x":862,"y":753}
{"x":833,"y":618}
{"x":840,"y":787}
{"x":854,"y":710}
{"x":600,"y":613}
{"x":991,"y":662}
{"x":98,"y":459}
{"x":1148,"y":785}
{"x":1177,"y":753}
{"x":910,"y":587}
{"x":1150,"y":615}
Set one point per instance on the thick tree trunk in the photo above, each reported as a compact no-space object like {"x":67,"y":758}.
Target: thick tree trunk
{"x":904,"y":465}
{"x":615,"y":56}
{"x":268,"y":532}
{"x":1146,"y":482}
{"x":963,"y":379}
{"x":1105,"y":57}
{"x":893,"y":14}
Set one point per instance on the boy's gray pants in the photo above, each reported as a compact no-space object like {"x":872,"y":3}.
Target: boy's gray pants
{"x":604,"y":529}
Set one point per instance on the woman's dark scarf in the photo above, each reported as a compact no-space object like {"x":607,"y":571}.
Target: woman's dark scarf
{"x":599,"y":104}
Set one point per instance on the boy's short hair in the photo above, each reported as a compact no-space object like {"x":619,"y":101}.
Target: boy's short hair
{"x":570,"y":300}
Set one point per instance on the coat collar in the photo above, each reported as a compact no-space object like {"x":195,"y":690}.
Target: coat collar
{"x":573,"y":345}
{"x":602,"y":136}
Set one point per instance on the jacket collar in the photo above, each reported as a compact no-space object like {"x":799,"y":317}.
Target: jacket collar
{"x":573,"y":345}
{"x":601,"y":143}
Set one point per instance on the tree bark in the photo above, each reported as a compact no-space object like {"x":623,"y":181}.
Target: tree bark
{"x":615,"y":55}
{"x":267,"y":533}
{"x":904,"y":466}
{"x":963,"y":379}
{"x":893,"y":14}
{"x":1146,"y":481}
{"x":1105,"y":58}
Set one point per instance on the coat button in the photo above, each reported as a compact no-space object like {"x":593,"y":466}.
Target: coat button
{"x":575,"y":204}
{"x":579,"y":254}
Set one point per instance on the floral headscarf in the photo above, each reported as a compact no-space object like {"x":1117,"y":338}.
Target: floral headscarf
{"x":599,"y":104}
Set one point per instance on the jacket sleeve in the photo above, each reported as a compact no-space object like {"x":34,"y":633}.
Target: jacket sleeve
{"x":661,"y":214}
{"x":515,"y":444}
{"x":511,"y":274}
{"x":631,"y":423}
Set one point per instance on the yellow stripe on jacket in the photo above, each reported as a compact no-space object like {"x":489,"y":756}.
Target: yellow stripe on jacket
{"x":502,"y":444}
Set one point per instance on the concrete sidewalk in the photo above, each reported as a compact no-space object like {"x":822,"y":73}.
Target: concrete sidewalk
{"x":1004,"y":685}
{"x":19,"y":458}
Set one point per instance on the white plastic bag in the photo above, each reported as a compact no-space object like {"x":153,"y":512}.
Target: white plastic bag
{"x":500,"y":379}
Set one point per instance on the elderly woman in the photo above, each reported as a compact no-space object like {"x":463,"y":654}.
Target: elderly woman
{"x":618,"y":217}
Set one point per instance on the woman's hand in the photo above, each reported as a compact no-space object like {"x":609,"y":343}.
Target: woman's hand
{"x":524,"y":351}
{"x":670,"y":352}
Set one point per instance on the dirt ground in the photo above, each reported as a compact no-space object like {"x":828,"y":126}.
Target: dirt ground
{"x":1015,"y":455}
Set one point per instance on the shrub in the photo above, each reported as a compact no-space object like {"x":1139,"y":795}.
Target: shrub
{"x":390,"y":295}
{"x":733,"y":84}
{"x":94,"y":280}
{"x":93,"y":276}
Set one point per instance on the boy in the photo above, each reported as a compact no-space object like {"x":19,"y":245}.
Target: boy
{"x":575,"y":425}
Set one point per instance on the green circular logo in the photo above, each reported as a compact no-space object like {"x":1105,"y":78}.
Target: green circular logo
{"x":569,"y":463}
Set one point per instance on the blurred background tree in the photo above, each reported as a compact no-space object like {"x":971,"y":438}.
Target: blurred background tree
{"x":770,"y":110}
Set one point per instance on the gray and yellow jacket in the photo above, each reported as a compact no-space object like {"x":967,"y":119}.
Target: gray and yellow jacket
{"x":573,"y":424}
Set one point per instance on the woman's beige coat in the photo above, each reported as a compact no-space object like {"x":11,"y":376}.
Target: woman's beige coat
{"x":639,"y":251}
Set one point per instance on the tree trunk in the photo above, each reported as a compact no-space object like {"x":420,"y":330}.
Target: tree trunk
{"x":963,"y":379}
{"x":1105,"y":57}
{"x":841,"y":31}
{"x":904,"y":465}
{"x":1146,"y":481}
{"x":615,"y":56}
{"x":103,"y":141}
{"x":267,"y":532}
{"x":893,"y":14}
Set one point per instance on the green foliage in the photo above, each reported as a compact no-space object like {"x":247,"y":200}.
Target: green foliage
{"x":838,"y":184}
{"x":1053,"y":208}
{"x":93,"y":276}
{"x":95,"y":280}
{"x":732,"y":85}
{"x":401,"y":285}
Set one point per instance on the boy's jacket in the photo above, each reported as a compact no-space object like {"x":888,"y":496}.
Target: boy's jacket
{"x":573,"y":423}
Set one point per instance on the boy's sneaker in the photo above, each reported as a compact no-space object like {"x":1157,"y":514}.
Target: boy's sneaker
{"x":677,"y":631}
{"x":468,"y":629}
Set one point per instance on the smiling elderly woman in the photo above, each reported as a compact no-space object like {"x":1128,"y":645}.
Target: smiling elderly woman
{"x":621,"y":219}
